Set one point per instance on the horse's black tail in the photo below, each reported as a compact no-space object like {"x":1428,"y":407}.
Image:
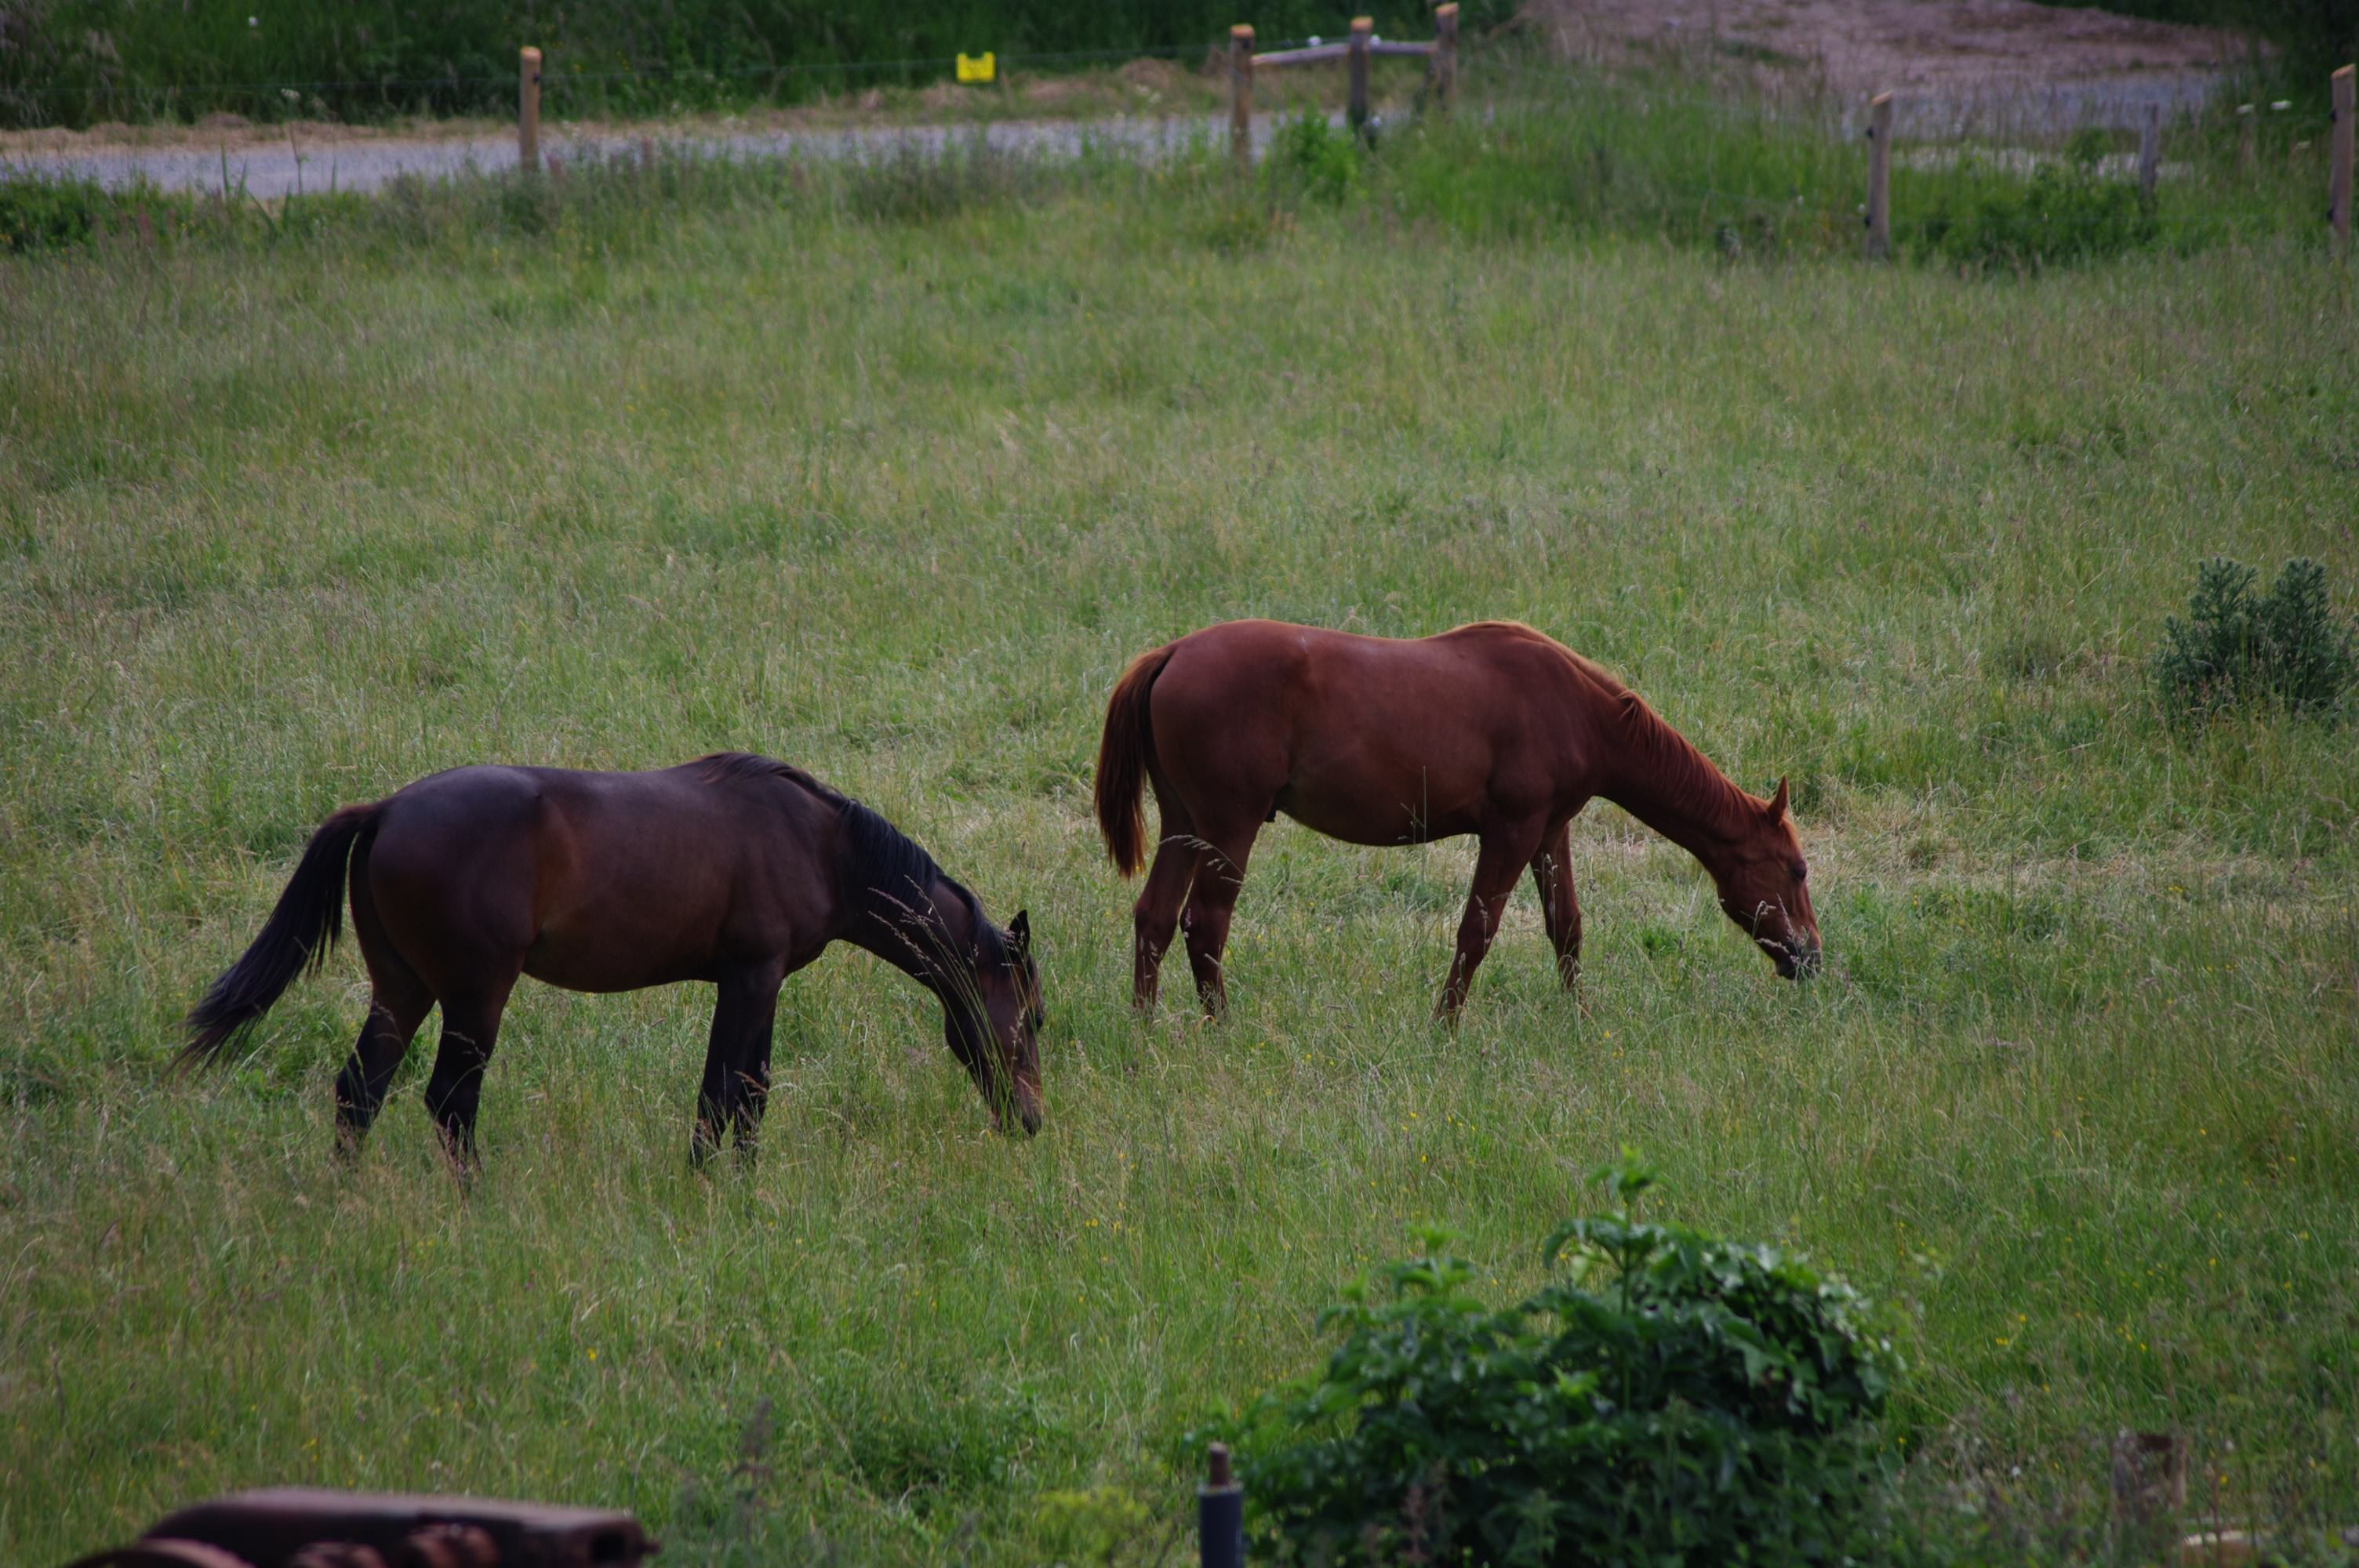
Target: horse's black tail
{"x":297,"y":936}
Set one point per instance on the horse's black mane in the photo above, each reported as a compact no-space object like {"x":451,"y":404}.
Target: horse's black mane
{"x":721,"y":765}
{"x":885,"y":874}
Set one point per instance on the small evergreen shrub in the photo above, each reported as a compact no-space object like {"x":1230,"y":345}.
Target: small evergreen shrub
{"x":2287,"y":646}
{"x":1668,"y":1398}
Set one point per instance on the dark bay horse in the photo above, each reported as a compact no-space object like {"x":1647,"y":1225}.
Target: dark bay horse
{"x":1491,"y":729}
{"x":732,"y":868}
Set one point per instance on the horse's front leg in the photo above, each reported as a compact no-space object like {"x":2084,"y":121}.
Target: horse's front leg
{"x":1503,"y":857}
{"x":736,"y":1087}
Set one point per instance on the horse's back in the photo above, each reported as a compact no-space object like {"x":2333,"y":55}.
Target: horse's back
{"x":1372,"y":740}
{"x":597,"y":881}
{"x":1475,"y":671}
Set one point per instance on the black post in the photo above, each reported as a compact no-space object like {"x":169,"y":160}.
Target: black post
{"x":1221,"y":1514}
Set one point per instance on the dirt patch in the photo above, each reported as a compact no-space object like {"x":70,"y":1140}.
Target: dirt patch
{"x":234,"y":132}
{"x":1953,"y":47}
{"x":1055,"y":92}
{"x":1155,"y":75}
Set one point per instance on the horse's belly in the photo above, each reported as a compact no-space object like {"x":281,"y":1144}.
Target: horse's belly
{"x":1359,"y":814}
{"x":621,"y":952}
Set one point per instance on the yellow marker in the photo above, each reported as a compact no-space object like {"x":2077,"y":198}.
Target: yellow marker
{"x":978,"y":68}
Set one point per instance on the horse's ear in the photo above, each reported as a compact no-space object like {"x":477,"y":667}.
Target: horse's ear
{"x":1777,"y":802}
{"x":1019,"y":932}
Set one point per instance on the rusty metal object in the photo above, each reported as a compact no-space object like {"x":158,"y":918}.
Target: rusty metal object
{"x":301,"y":1528}
{"x":337,"y":1554}
{"x":448,"y":1546}
{"x":2149,"y":1478}
{"x":164,"y":1552}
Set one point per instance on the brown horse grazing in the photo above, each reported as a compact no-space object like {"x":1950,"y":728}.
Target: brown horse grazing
{"x":732,"y":868}
{"x":1491,"y":729}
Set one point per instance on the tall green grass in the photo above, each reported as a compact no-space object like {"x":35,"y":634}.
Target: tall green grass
{"x":892,"y":485}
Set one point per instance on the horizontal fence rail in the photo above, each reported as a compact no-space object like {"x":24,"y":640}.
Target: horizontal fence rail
{"x":1354,"y":52}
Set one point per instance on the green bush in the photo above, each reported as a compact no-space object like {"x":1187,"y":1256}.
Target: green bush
{"x":1668,"y":1398}
{"x":37,"y":214}
{"x":2287,"y":646}
{"x":1309,"y":157}
{"x":2067,"y":211}
{"x":46,"y":215}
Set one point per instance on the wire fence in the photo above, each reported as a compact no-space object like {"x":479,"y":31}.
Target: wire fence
{"x":1989,"y":196}
{"x":1737,"y":167}
{"x":558,"y":74}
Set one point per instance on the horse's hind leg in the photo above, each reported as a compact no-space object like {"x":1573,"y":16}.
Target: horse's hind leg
{"x":1552,"y":875}
{"x":1156,"y":914}
{"x":471,"y":1027}
{"x":398,"y":1003}
{"x":395,"y":1012}
{"x":1220,"y":872}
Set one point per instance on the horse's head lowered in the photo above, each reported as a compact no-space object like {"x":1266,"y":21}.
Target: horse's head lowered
{"x":1764,"y":887}
{"x":996,"y":1035}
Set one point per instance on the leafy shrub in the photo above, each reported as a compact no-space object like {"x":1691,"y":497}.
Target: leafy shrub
{"x":2287,"y":645}
{"x":1668,"y":1398}
{"x":1104,"y":1524}
{"x":2067,"y":211}
{"x":1309,"y":157}
{"x":49,"y":214}
{"x":41,"y":214}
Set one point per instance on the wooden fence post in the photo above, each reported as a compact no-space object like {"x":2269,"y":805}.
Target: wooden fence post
{"x":1879,"y":175}
{"x":1356,"y":63}
{"x":1241,"y":41}
{"x":2338,"y":182}
{"x":1445,"y":55}
{"x":2249,"y":156}
{"x":528,"y":111}
{"x":2150,"y":153}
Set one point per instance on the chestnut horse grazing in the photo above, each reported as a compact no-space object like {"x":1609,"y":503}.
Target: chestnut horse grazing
{"x":732,"y":868}
{"x":1491,"y":729}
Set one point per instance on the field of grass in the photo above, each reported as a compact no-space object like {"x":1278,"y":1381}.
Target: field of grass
{"x":893,"y":489}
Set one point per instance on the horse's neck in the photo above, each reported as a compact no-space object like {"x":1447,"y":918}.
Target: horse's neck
{"x":921,"y":934}
{"x":1650,"y":771}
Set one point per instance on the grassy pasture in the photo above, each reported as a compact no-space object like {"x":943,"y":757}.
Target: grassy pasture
{"x":287,"y":526}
